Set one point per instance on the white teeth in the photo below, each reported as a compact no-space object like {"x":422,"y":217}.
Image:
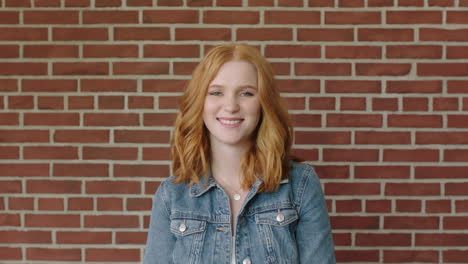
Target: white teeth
{"x":229,"y":122}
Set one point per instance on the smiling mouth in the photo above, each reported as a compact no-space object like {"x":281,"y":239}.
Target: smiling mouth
{"x":229,"y":122}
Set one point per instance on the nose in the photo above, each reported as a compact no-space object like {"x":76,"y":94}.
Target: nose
{"x":231,"y":104}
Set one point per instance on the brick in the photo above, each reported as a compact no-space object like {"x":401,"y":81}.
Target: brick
{"x":457,"y":86}
{"x":170,"y":2}
{"x":445,"y":240}
{"x":50,"y":152}
{"x":383,"y":240}
{"x":351,"y":3}
{"x":322,"y":103}
{"x":46,"y":3}
{"x":461,"y":206}
{"x":158,"y":119}
{"x":354,"y":120}
{"x":352,"y":188}
{"x":358,"y":256}
{"x":298,"y":86}
{"x":323,"y":69}
{"x":157,"y":154}
{"x":457,"y":121}
{"x":110,"y":17}
{"x":437,"y":34}
{"x":292,"y":51}
{"x":456,"y":188}
{"x":111,"y":102}
{"x":8,"y":85}
{"x":380,"y":3}
{"x":441,"y":3}
{"x":414,"y":17}
{"x":50,"y":51}
{"x":8,"y":152}
{"x":110,"y":254}
{"x":408,"y":206}
{"x":9,"y":119}
{"x":21,"y":203}
{"x":403,"y":256}
{"x":29,"y":237}
{"x":433,"y":86}
{"x":82,"y":136}
{"x":171,"y":51}
{"x":356,"y":155}
{"x":84,"y":237}
{"x":49,"y":85}
{"x":50,"y":102}
{"x":111,"y":119}
{"x":9,"y":51}
{"x":306,"y":120}
{"x":107,"y":85}
{"x":292,"y":17}
{"x":401,"y":120}
{"x":24,"y":170}
{"x":321,"y":3}
{"x":139,"y":3}
{"x":51,"y":119}
{"x":17,"y":3}
{"x":80,"y":204}
{"x":293,"y":103}
{"x":325,"y":34}
{"x":53,"y":254}
{"x":305,"y":154}
{"x":353,"y":52}
{"x":354,"y":222}
{"x":450,"y":256}
{"x":150,"y":187}
{"x":81,"y":170}
{"x":80,"y":102}
{"x":203,"y":34}
{"x":137,"y":33}
{"x":140,"y":102}
{"x":383,"y":69}
{"x":111,"y":221}
{"x":232,"y":17}
{"x":457,"y":52}
{"x":170,"y":16}
{"x":184,"y":68}
{"x":260,"y":2}
{"x":463,"y":3}
{"x":352,"y":103}
{"x":53,"y":186}
{"x":445,"y":69}
{"x":128,"y":170}
{"x":353,"y":18}
{"x":23,"y":68}
{"x":20,"y":136}
{"x":110,"y":51}
{"x":10,"y":220}
{"x":352,"y":86}
{"x":109,"y":204}
{"x":322,"y":137}
{"x":291,"y":3}
{"x":414,"y":52}
{"x":21,"y":102}
{"x":382,"y":138}
{"x":348,"y":206}
{"x":412,"y":189}
{"x":168,"y":102}
{"x":378,"y":206}
{"x":415,"y":104}
{"x":438,"y":206}
{"x":264,"y":34}
{"x":51,"y":204}
{"x":9,"y":17}
{"x":52,"y":220}
{"x":385,"y":34}
{"x":74,"y":3}
{"x":79,"y":34}
{"x":446,"y":138}
{"x":139,"y":204}
{"x":108,"y":3}
{"x":10,"y":253}
{"x":50,"y":17}
{"x":199,"y":2}
{"x":144,"y":68}
{"x":80,"y":68}
{"x":109,"y":153}
{"x":457,"y":17}
{"x":131,"y":238}
{"x":113,"y":187}
{"x":146,"y":136}
{"x":419,"y":3}
{"x":411,"y":222}
{"x":456,"y":155}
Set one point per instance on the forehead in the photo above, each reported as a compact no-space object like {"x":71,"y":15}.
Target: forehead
{"x":236,"y":72}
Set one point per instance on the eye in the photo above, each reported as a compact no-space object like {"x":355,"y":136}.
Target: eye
{"x":247,"y":94}
{"x":215,"y":93}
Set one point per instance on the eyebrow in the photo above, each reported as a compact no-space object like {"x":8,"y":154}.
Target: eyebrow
{"x":242,"y":86}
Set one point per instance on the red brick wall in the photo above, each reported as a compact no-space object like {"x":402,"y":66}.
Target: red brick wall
{"x":88,"y":93}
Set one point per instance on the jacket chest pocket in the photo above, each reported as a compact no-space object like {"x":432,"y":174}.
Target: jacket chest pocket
{"x":276,"y":231}
{"x":190,"y":234}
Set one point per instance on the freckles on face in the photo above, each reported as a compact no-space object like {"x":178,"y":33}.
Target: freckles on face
{"x":232,"y":109}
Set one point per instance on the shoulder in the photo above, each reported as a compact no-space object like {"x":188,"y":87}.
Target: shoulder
{"x":168,"y":186}
{"x":304,"y":182}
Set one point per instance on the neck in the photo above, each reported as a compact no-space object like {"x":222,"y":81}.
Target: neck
{"x":226,"y":163}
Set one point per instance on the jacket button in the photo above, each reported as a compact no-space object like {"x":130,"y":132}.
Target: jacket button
{"x":246,"y":261}
{"x":280,"y":217}
{"x":182,"y":227}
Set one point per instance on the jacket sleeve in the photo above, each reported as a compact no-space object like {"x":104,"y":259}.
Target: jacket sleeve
{"x":313,"y":232}
{"x":160,"y":242}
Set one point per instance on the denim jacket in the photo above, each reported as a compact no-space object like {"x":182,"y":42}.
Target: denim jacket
{"x":192,"y":224}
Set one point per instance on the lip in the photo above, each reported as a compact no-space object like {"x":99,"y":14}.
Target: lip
{"x":230,"y":119}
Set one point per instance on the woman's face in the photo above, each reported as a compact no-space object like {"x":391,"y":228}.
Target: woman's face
{"x":232,"y":110}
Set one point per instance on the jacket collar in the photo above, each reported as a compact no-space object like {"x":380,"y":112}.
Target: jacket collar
{"x":208,"y":182}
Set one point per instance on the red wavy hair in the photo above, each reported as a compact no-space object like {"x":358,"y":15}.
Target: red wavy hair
{"x":269,"y":155}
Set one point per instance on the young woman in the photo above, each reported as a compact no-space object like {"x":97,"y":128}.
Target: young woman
{"x":236,"y":195}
